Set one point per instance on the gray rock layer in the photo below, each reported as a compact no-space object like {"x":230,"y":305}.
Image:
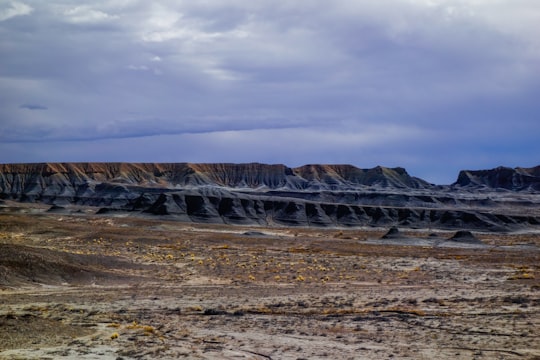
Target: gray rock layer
{"x":312,"y":195}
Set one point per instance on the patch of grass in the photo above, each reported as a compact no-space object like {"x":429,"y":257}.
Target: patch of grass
{"x":523,"y":272}
{"x":197,"y":308}
{"x":522,"y":276}
{"x":148,"y":329}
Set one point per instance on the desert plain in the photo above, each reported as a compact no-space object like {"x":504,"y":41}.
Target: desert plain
{"x":83,"y":286}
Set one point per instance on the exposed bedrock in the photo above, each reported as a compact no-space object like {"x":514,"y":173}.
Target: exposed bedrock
{"x":517,"y":179}
{"x":78,"y":179}
{"x":500,"y":199}
{"x":250,"y":209}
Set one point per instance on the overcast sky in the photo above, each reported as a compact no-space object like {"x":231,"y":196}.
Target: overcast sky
{"x":434,"y":86}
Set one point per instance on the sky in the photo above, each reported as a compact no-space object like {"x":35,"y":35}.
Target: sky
{"x":434,"y":86}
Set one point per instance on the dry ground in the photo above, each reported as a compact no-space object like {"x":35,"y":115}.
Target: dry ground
{"x":82,"y":286}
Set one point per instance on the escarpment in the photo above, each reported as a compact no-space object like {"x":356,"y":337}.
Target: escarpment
{"x":517,"y":179}
{"x":500,"y":199}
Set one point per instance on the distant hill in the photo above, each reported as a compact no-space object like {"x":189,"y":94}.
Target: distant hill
{"x":169,"y":175}
{"x":309,"y":195}
{"x":517,"y":179}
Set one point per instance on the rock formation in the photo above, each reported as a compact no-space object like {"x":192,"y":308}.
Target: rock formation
{"x":393,"y":233}
{"x":517,"y":179}
{"x":312,"y":195}
{"x":464,"y":236}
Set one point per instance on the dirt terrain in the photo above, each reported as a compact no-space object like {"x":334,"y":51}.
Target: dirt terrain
{"x":85,"y":286}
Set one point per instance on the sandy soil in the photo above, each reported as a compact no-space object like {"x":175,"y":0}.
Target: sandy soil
{"x":90,"y":287}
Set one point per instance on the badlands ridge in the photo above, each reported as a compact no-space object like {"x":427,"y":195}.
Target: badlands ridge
{"x":500,"y":199}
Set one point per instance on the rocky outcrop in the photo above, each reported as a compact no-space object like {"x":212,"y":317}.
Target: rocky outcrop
{"x":251,"y":209}
{"x":348,"y":176}
{"x":518,"y":179}
{"x":259,"y":194}
{"x":393,"y":233}
{"x":73,"y":177}
{"x":465,"y":237}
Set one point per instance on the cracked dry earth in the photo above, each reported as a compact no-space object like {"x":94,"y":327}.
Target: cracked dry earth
{"x":89,"y":287}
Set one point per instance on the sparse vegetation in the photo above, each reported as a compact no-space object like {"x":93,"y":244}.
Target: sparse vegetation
{"x":522,"y":273}
{"x":206,"y":290}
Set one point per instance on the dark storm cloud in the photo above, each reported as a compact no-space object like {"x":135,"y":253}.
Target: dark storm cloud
{"x":411,"y":83}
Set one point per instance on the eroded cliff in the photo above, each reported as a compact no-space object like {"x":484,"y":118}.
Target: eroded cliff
{"x":500,"y":199}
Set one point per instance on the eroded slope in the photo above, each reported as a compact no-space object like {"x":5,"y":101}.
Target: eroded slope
{"x":501,"y":199}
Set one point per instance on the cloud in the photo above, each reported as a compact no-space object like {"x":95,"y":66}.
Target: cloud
{"x":463,"y":74}
{"x":138,"y":67}
{"x":33,"y":107}
{"x":85,"y":14}
{"x":15,"y":9}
